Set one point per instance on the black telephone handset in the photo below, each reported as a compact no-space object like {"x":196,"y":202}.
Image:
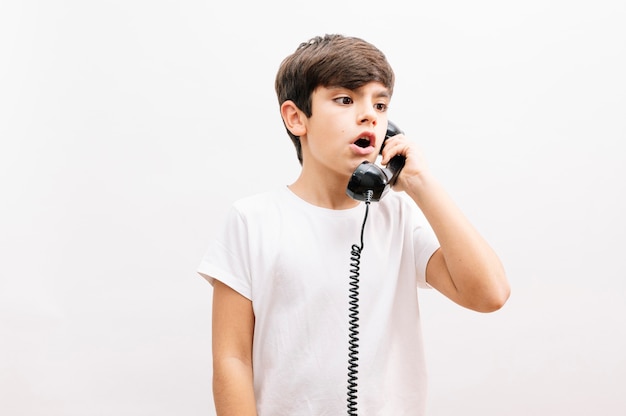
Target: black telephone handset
{"x":369,"y":178}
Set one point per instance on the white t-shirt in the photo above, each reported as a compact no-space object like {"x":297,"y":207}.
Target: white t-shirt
{"x":293,"y":261}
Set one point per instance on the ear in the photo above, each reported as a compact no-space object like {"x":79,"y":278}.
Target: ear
{"x":293,"y":118}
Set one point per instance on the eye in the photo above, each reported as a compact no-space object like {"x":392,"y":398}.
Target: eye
{"x":382,"y":107}
{"x":344,"y":100}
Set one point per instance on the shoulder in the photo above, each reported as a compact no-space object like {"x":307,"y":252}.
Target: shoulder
{"x":261,"y":205}
{"x":398,"y":204}
{"x":399,"y":208}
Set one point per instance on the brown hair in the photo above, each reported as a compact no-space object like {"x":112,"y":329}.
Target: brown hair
{"x":329,"y":61}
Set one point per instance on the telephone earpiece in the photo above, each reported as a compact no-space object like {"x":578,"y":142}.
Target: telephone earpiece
{"x":370,"y":181}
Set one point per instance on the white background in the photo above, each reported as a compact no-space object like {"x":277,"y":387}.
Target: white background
{"x":128,"y":127}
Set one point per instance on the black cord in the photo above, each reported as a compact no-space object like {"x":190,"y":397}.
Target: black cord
{"x":353,"y":349}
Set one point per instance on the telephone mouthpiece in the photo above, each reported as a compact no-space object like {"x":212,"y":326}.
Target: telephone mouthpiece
{"x":368,"y":178}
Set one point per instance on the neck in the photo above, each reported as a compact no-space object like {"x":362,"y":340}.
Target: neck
{"x":328,"y":194}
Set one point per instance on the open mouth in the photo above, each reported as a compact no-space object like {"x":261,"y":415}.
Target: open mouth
{"x":363,"y":142}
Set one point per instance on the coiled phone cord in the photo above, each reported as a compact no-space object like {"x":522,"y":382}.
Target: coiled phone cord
{"x":353,"y":349}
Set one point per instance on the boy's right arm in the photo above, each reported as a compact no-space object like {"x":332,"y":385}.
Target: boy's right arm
{"x":233,"y":329}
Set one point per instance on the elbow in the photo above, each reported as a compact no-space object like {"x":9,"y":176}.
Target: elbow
{"x":495,"y":298}
{"x":494,"y":304}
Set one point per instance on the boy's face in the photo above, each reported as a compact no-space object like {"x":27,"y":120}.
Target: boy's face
{"x":346,"y":127}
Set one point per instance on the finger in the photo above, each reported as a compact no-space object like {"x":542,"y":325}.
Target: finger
{"x":393,"y":147}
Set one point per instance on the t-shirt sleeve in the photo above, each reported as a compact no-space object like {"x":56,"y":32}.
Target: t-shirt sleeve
{"x":423,"y":255}
{"x":227,"y":258}
{"x":426,"y":243}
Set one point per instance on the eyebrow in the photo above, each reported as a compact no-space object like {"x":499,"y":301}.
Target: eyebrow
{"x":383,"y":93}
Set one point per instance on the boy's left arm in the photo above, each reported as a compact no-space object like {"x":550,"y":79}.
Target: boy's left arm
{"x":465,"y":268}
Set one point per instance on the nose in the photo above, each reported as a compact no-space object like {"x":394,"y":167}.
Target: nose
{"x":367,"y":115}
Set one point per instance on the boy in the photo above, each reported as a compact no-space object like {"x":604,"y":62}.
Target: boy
{"x":286,"y":338}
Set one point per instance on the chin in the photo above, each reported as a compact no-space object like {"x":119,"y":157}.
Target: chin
{"x":356,"y":164}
